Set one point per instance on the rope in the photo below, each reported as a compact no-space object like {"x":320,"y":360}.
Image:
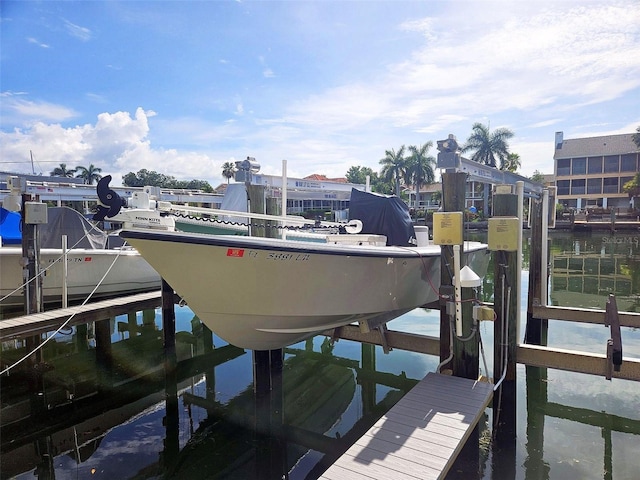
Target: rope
{"x":42,"y":272}
{"x":316,"y":226}
{"x":66,"y":322}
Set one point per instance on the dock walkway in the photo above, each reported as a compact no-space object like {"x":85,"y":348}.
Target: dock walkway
{"x":421,"y":436}
{"x":36,"y":323}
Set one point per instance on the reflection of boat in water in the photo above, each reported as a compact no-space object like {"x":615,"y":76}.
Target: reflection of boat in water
{"x":317,"y":391}
{"x":94,"y":254}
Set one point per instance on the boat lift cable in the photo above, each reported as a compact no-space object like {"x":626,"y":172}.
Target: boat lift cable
{"x":66,"y":322}
{"x":44,"y":270}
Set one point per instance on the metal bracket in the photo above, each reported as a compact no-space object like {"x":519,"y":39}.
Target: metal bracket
{"x":614,"y":344}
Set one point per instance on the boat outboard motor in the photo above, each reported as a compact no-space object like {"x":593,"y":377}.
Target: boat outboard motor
{"x":383,"y":215}
{"x":110,"y":202}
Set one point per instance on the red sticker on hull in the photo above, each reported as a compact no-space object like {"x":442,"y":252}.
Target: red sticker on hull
{"x":235,"y":252}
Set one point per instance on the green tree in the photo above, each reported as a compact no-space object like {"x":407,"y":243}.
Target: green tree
{"x":358,"y":174}
{"x":149,"y":178}
{"x":512,"y":163}
{"x":89,"y":174}
{"x":419,"y":169}
{"x":228,"y":170}
{"x":632,"y":187}
{"x":393,"y":166}
{"x":636,"y":137}
{"x":487,"y":146}
{"x":62,"y":171}
{"x":537,"y":176}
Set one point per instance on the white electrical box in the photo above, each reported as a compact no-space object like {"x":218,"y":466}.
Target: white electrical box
{"x":35,"y":213}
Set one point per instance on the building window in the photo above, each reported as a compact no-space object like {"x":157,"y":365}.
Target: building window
{"x":594,"y":185}
{"x":579,"y":166}
{"x":564,"y":166}
{"x":628,"y":163}
{"x":594,"y":165}
{"x":611,"y":164}
{"x":610,"y":185}
{"x":563,"y":187}
{"x":578,"y":186}
{"x":624,"y":180}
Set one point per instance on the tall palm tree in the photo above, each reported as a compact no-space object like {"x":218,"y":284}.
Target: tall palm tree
{"x":488,"y":146}
{"x":62,"y":171}
{"x":228,"y":170}
{"x":89,"y":174}
{"x":393,"y":166}
{"x":420,"y":167}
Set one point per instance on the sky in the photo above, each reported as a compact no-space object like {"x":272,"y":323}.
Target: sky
{"x":181,"y":87}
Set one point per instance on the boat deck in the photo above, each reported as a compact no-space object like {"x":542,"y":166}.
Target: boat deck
{"x":37,"y":323}
{"x":421,"y":436}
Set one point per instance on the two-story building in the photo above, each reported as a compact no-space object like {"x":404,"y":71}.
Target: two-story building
{"x":591,"y":172}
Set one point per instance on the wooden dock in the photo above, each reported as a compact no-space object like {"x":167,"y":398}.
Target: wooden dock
{"x":37,"y":323}
{"x":421,"y":436}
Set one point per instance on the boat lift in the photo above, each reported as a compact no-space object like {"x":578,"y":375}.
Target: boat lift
{"x":449,"y":158}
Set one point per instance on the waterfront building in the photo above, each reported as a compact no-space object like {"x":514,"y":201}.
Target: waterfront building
{"x":592,"y":171}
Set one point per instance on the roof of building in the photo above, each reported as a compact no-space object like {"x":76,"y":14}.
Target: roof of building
{"x":596,"y":146}
{"x":323,"y":178}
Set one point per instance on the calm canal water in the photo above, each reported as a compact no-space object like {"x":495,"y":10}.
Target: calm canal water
{"x":89,"y":420}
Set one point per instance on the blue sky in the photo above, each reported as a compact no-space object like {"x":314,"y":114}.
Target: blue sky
{"x":180,"y":87}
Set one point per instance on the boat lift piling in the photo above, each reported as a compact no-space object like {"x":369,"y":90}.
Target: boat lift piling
{"x":505,"y":210}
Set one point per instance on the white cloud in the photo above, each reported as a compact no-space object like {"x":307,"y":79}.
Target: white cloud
{"x":19,"y":110}
{"x":37,"y":42}
{"x":81,"y":33}
{"x":117,"y":144}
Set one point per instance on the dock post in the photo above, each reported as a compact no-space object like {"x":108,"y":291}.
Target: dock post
{"x":168,"y":327}
{"x":536,"y":328}
{"x":453,"y":200}
{"x":506,"y":284}
{"x":33,"y":300}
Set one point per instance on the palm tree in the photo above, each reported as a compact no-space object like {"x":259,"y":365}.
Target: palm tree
{"x":636,"y":137}
{"x":512,"y":163}
{"x":62,"y":171}
{"x":419,"y":169}
{"x":228,"y":170}
{"x":89,"y":174}
{"x":393,"y":166}
{"x":488,"y":146}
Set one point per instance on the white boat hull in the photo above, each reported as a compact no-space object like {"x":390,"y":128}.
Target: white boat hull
{"x":263,"y":294}
{"x":85,"y":268}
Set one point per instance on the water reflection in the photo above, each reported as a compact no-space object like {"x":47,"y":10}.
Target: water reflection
{"x":586,"y":268}
{"x":100,"y":401}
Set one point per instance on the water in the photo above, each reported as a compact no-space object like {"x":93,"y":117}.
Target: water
{"x":206,"y":424}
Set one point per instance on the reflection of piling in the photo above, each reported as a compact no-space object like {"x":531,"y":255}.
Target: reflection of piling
{"x":536,"y":328}
{"x":104,"y":358}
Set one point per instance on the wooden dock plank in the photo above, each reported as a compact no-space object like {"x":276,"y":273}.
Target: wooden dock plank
{"x":43,"y":322}
{"x":420,"y":436}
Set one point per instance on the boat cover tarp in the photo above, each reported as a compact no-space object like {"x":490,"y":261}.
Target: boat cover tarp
{"x":10,"y":230}
{"x":383,"y":215}
{"x":69,"y":222}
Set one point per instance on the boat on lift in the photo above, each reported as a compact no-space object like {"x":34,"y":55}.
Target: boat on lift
{"x":267,"y":293}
